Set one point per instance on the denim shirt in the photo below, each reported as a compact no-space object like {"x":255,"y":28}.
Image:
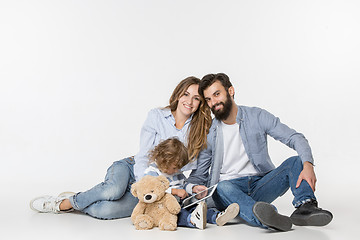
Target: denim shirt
{"x":255,"y":124}
{"x":158,"y":126}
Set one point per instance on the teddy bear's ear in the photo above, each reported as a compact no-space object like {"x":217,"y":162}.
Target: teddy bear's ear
{"x":164,"y":182}
{"x":133,"y":189}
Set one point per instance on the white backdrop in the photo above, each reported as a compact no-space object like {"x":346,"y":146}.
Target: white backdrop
{"x":77,"y":79}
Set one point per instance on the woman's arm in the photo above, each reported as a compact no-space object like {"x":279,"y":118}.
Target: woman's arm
{"x":147,"y":141}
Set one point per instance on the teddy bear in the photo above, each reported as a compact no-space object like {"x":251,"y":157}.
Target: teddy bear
{"x":155,"y":208}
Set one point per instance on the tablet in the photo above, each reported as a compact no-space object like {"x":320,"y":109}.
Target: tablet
{"x":194,"y":199}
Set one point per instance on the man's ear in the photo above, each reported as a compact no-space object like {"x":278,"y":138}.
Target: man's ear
{"x":231,"y":91}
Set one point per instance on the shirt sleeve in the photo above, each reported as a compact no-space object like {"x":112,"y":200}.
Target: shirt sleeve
{"x":147,"y":141}
{"x":281,"y":132}
{"x":199,"y":176}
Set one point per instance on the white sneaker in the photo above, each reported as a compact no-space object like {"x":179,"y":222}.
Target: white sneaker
{"x":50,"y":204}
{"x":198,"y":216}
{"x":230,"y":213}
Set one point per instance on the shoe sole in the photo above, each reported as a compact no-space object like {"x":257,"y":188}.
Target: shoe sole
{"x":269,"y":217}
{"x":204,"y":210}
{"x":230,"y":213}
{"x":319,"y":220}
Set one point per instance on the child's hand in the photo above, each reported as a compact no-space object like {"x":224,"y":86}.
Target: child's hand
{"x":181,"y":193}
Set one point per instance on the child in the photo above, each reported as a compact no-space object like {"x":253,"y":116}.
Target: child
{"x":166,"y":159}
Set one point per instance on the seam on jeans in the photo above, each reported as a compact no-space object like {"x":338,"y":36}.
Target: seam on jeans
{"x":74,"y":202}
{"x":269,"y":181}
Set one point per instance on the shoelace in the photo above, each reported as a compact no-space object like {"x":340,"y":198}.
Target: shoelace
{"x":51,"y":205}
{"x":220,"y":214}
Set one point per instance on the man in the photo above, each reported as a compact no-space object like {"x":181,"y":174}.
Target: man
{"x":238,"y":159}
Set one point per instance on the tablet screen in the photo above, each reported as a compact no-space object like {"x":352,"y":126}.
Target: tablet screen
{"x":200,"y":196}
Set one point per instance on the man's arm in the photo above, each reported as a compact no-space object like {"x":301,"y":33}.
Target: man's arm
{"x":294,"y":140}
{"x":200,"y":175}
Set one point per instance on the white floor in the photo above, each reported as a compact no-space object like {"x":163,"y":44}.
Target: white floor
{"x":18,"y":221}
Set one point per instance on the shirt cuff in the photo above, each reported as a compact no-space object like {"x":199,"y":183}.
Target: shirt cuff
{"x":189,"y":188}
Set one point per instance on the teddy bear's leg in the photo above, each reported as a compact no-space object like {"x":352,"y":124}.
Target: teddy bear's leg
{"x":143,"y":222}
{"x":168,"y":222}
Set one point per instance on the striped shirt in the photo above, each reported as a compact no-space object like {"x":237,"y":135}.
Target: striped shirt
{"x":176,"y":180}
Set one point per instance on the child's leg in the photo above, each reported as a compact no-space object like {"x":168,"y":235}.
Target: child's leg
{"x":184,"y":219}
{"x":212,"y":213}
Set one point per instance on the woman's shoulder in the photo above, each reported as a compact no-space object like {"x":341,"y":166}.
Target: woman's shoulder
{"x":159,"y":112}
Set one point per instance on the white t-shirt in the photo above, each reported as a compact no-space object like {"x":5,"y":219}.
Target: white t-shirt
{"x":236,"y":162}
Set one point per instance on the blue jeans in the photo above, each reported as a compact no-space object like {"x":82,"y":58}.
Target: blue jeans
{"x":112,"y":198}
{"x":184,"y":217}
{"x":247,"y":190}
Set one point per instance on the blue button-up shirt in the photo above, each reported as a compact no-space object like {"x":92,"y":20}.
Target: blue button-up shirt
{"x":255,"y":124}
{"x":159,"y":125}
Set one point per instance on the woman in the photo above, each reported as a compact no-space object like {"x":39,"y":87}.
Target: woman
{"x":187,"y":117}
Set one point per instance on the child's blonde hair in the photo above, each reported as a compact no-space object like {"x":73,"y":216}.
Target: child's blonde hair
{"x":169,"y":152}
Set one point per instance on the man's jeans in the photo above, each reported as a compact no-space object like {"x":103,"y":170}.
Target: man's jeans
{"x":247,"y":190}
{"x":112,"y":198}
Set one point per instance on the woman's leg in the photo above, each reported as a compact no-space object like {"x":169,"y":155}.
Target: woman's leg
{"x":117,"y":182}
{"x":116,"y":185}
{"x":120,"y":208}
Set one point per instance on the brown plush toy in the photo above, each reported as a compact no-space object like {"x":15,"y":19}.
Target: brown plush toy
{"x":156,"y":208}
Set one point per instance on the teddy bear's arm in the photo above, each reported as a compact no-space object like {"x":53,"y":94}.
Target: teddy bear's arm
{"x":139,"y":209}
{"x":172,"y":204}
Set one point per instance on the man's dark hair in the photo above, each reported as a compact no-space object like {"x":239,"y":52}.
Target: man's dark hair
{"x":209,"y":79}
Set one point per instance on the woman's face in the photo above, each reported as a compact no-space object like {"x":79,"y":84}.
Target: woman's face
{"x":190,"y":101}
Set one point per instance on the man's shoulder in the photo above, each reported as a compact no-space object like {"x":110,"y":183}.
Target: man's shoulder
{"x":250,"y":109}
{"x":250,"y":112}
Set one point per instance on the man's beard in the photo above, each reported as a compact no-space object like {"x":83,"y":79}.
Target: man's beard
{"x":223,"y":113}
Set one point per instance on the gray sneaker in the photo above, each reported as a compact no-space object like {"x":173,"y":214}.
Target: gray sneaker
{"x":268,"y":216}
{"x":50,"y":204}
{"x":230,"y":213}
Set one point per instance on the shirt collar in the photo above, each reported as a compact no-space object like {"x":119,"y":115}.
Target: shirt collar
{"x":167,"y":114}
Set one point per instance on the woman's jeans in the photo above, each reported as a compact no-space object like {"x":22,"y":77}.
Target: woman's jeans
{"x":247,"y":190}
{"x":112,"y":198}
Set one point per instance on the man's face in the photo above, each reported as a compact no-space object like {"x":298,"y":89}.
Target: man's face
{"x":219,"y":100}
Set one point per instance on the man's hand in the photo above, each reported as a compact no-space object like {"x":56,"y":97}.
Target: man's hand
{"x":199,"y":188}
{"x":181,"y":193}
{"x":308,"y":175}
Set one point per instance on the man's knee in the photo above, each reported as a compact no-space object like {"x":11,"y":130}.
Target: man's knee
{"x":225,"y":188}
{"x":292,"y":161}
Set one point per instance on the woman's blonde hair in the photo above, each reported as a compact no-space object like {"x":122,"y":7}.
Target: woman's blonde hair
{"x":168,"y":153}
{"x":200,"y":122}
